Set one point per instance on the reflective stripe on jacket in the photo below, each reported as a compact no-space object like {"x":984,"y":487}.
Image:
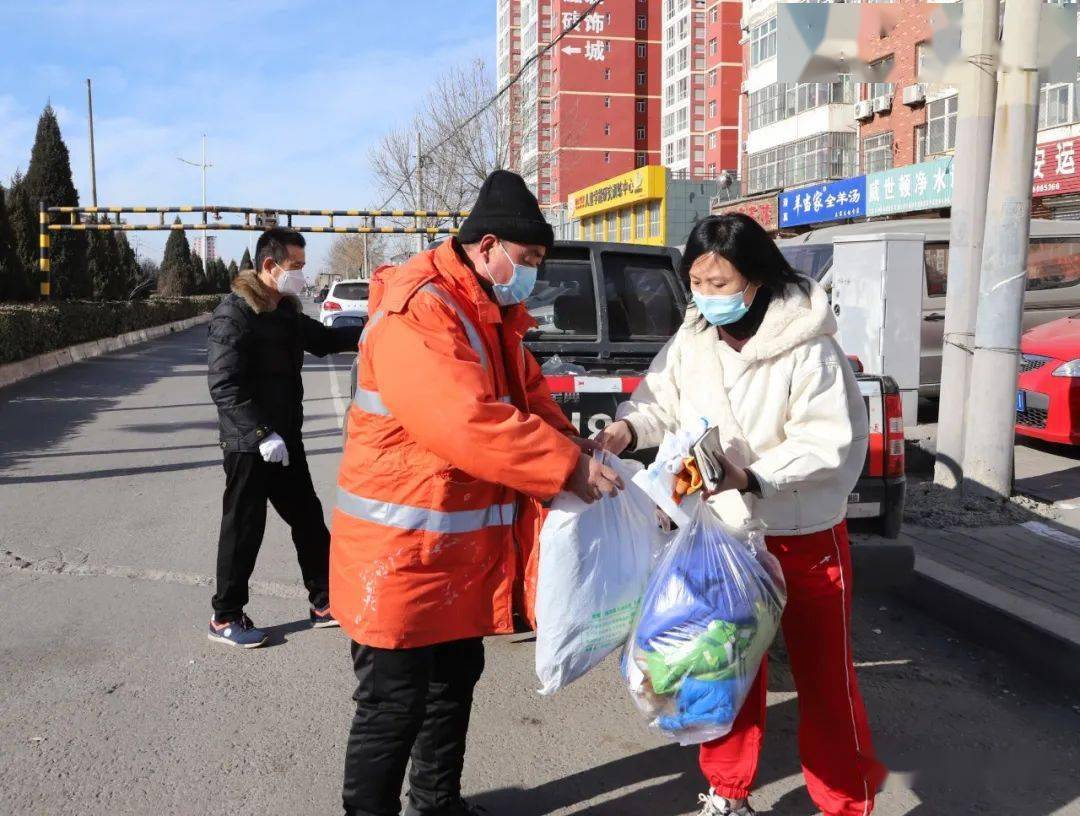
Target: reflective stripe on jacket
{"x":453,"y":437}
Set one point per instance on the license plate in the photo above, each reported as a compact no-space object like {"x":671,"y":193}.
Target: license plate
{"x":1021,"y":402}
{"x":854,"y":498}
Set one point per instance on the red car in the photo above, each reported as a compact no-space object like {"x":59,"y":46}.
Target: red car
{"x":1048,"y":393}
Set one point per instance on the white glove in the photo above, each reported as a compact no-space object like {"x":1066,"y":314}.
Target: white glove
{"x":273,"y":450}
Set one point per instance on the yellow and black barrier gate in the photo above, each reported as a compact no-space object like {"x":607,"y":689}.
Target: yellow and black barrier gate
{"x":255,"y":219}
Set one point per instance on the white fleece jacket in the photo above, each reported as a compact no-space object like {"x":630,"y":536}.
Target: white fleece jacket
{"x":788,"y":407}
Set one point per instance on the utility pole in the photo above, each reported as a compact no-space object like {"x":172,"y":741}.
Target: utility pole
{"x":419,"y":188}
{"x":202,"y":165}
{"x":971,"y":178}
{"x":991,"y":414}
{"x":93,"y":166}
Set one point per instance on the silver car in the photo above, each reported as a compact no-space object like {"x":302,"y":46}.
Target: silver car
{"x":1053,"y":284}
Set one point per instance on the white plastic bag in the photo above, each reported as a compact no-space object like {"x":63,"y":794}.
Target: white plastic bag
{"x":595,"y":560}
{"x":658,"y":481}
{"x":710,"y":612}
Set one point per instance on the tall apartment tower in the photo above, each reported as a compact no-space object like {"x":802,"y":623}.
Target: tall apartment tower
{"x":701,"y":77}
{"x":589,"y":108}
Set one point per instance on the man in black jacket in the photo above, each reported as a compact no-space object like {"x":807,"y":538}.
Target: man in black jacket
{"x":258,"y":336}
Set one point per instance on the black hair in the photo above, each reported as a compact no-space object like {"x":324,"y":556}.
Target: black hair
{"x":274,"y":244}
{"x":743,"y":242}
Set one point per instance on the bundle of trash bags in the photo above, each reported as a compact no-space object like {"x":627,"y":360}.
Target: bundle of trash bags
{"x":595,"y":560}
{"x":710,"y":611}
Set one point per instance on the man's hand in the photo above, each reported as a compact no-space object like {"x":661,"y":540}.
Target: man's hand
{"x":616,"y":437}
{"x":273,"y":450}
{"x":591,"y":480}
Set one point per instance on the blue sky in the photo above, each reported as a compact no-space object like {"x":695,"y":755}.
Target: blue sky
{"x":292,"y":95}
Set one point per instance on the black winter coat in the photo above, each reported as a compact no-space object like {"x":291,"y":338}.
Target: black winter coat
{"x":254,"y":356}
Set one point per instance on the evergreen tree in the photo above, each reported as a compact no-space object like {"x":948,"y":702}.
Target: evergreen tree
{"x":129,"y":264}
{"x":48,"y":180}
{"x":13,"y":282}
{"x":198,"y":275}
{"x":24,"y":227}
{"x":234,"y":270}
{"x":104,"y":266}
{"x":245,"y":262}
{"x":221,"y":276}
{"x":175,"y":278}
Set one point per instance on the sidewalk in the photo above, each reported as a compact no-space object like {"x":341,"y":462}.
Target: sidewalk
{"x":1014,"y":587}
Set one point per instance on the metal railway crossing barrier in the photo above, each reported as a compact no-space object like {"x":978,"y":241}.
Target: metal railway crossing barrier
{"x":255,"y":219}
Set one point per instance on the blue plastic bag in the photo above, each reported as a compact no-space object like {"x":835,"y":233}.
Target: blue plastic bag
{"x":710,"y":611}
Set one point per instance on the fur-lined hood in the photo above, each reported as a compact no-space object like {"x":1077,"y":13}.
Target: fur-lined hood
{"x":256,"y":294}
{"x":792,"y":319}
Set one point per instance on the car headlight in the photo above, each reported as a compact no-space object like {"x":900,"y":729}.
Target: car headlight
{"x":1069,"y":369}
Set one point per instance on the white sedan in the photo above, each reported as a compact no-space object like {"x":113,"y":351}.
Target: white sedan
{"x":346,"y":299}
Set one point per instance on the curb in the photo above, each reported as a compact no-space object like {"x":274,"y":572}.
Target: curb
{"x":1026,"y":632}
{"x":20,"y":370}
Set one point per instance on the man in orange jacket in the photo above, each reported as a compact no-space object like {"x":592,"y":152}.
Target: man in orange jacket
{"x":454,"y":440}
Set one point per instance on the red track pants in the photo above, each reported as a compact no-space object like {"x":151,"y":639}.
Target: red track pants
{"x":842,"y":773}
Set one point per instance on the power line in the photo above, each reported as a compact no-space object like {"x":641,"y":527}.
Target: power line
{"x":498,"y":95}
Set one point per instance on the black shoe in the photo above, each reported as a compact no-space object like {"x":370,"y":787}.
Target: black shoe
{"x":459,"y":808}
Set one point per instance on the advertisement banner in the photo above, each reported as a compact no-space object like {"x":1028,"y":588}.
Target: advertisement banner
{"x":1055,"y":169}
{"x":925,"y":186}
{"x":764,"y":210}
{"x":832,"y":201}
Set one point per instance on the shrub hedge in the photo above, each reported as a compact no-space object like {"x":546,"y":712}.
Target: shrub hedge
{"x":29,"y":329}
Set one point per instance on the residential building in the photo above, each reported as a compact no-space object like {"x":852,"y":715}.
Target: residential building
{"x":589,"y":108}
{"x":205,"y":246}
{"x":701,"y":72}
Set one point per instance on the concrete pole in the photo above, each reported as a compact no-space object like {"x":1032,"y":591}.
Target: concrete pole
{"x":971,"y":178}
{"x":991,"y":414}
{"x":420,"y":238}
{"x":93,"y":164}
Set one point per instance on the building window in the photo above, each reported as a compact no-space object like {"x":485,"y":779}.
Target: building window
{"x":642,"y":50}
{"x":640,"y":133}
{"x":639,"y":222}
{"x":882,"y":68}
{"x":763,"y":42}
{"x":669,"y":153}
{"x":712,"y":109}
{"x":1057,"y":105}
{"x":920,"y":143}
{"x":607,"y":128}
{"x":607,"y":101}
{"x":779,"y":101}
{"x":712,"y":141}
{"x":713,"y":78}
{"x":642,"y":106}
{"x":712,"y":47}
{"x":624,"y":225}
{"x":712,"y":171}
{"x":607,"y":73}
{"x":642,"y":22}
{"x":714,"y":16}
{"x":877,"y":153}
{"x":921,"y":50}
{"x":640,"y":160}
{"x":941,"y":125}
{"x":607,"y":157}
{"x":613,"y":226}
{"x":642,"y":77}
{"x":826,"y":156}
{"x":654,"y":219}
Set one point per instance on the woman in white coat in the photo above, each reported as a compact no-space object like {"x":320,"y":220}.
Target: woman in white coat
{"x":756,"y":357}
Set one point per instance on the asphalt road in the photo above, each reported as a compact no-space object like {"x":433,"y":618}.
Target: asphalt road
{"x":112,"y":700}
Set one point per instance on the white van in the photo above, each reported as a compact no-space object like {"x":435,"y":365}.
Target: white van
{"x":1053,"y":284}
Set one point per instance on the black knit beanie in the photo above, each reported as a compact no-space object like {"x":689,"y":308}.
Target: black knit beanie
{"x":507,"y":209}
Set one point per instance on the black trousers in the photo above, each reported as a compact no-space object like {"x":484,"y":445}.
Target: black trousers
{"x":410,"y":703}
{"x":249,"y":484}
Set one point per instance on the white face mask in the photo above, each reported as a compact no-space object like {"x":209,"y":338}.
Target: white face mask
{"x":290,"y":281}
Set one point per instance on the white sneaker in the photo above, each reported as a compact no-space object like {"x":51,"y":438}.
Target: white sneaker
{"x":714,"y":805}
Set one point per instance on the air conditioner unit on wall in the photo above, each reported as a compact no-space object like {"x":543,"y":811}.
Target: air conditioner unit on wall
{"x":883,"y":104}
{"x":744,"y":87}
{"x":864,"y":110}
{"x":915,"y":94}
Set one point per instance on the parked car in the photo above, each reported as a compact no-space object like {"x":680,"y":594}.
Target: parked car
{"x":1053,"y":285}
{"x":347,"y":298}
{"x":1048,"y":392}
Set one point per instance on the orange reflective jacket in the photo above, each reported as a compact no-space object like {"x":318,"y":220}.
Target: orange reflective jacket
{"x":453,"y":439}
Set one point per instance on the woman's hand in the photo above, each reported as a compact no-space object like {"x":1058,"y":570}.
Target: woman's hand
{"x":615,"y":438}
{"x":735,"y":477}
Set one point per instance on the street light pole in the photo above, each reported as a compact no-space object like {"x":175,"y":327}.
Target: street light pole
{"x":93,"y":165}
{"x":202,"y":165}
{"x":991,"y":415}
{"x":971,"y":178}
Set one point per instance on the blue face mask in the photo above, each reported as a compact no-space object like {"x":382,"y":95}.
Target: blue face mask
{"x":520,"y":286}
{"x":722,"y":310}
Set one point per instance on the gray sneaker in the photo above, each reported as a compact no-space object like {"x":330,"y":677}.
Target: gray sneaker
{"x":714,"y":805}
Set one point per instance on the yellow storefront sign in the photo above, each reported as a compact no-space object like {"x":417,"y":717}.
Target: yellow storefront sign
{"x":642,"y":184}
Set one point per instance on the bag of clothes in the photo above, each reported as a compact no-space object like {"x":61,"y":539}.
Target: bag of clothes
{"x":710,"y":611}
{"x":595,"y":560}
